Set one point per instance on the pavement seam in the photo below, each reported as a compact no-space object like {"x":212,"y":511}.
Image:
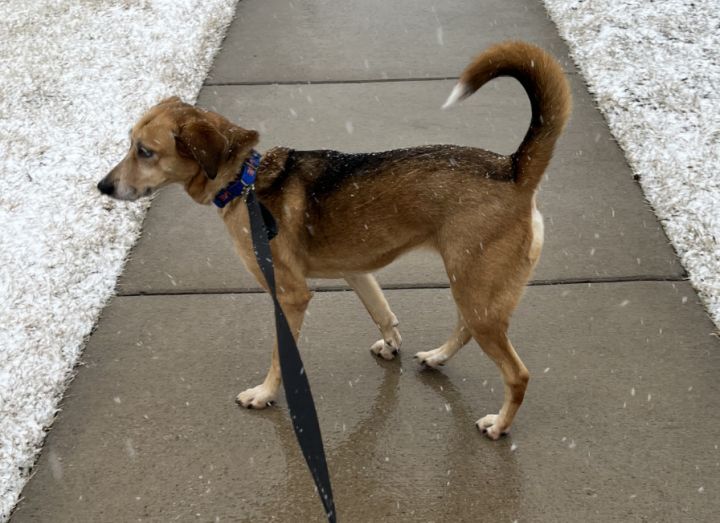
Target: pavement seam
{"x":408,"y":286}
{"x":333,"y":82}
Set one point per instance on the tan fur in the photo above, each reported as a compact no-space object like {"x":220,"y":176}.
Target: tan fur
{"x":348,"y":215}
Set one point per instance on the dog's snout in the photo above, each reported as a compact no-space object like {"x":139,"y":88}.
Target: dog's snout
{"x":106,"y":186}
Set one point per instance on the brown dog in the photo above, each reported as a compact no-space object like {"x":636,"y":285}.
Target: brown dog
{"x":346,"y":215}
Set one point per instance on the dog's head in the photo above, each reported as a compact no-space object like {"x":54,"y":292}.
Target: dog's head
{"x":175,"y":142}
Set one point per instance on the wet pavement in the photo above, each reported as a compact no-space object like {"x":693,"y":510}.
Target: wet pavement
{"x":619,"y":423}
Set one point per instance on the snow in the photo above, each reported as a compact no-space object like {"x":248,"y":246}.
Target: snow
{"x":75,"y":77}
{"x":653,"y":68}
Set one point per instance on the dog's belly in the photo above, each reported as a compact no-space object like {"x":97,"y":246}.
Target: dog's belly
{"x":358,"y":258}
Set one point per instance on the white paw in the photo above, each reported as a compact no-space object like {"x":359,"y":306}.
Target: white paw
{"x":256,"y":398}
{"x":384,"y":349}
{"x":488,"y":426}
{"x":432,"y":358}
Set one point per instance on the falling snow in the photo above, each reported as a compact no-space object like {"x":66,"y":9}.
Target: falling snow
{"x":654,"y":72}
{"x":63,"y":67}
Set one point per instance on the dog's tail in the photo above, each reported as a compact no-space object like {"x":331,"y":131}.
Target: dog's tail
{"x":550,"y":99}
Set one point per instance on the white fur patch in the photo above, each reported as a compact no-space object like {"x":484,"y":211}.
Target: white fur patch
{"x":257,"y":397}
{"x":459,"y":92}
{"x":538,"y":230}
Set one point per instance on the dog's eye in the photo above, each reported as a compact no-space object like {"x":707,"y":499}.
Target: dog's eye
{"x":144,"y":153}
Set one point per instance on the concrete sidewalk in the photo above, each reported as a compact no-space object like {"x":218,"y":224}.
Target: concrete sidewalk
{"x":620,"y":418}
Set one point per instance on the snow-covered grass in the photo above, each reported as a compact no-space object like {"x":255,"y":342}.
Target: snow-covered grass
{"x":654,"y":68}
{"x":75,"y":75}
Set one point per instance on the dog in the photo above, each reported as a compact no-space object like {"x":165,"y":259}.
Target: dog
{"x":347,"y":215}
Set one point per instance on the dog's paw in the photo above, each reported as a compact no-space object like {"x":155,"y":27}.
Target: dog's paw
{"x":431,"y":359}
{"x":256,"y":398}
{"x":488,"y":425}
{"x":386,"y":350}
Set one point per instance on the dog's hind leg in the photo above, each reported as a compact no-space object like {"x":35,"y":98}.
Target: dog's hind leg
{"x":495,"y":343}
{"x":486,"y":291}
{"x":370,"y":293}
{"x":487,"y":320}
{"x":457,"y":340}
{"x":294,"y":297}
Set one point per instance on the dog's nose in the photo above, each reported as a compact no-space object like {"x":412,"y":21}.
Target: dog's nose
{"x":106,"y":186}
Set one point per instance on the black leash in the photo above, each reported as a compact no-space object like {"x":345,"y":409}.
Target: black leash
{"x":297,"y":389}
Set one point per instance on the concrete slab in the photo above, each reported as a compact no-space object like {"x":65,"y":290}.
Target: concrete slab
{"x":319,"y":40}
{"x":619,"y":422}
{"x":597,"y":222}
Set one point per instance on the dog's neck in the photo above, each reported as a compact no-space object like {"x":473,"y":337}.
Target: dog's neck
{"x":274,"y":163}
{"x":203,"y":190}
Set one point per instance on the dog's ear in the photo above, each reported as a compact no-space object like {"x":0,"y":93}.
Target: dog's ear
{"x":200,"y":140}
{"x":170,"y":100}
{"x":241,"y":141}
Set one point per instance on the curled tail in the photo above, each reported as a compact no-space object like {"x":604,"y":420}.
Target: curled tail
{"x":550,"y":99}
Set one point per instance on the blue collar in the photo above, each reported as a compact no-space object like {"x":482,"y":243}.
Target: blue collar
{"x":245,"y":179}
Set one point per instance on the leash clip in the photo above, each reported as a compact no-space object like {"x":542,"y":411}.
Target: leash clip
{"x":248,"y":188}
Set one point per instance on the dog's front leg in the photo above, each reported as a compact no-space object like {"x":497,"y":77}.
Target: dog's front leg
{"x":294,"y":297}
{"x":370,"y":293}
